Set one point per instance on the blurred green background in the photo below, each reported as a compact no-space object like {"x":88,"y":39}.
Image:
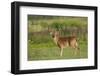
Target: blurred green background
{"x":41,"y":45}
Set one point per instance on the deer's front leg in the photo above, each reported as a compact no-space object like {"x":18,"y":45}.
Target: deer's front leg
{"x":61,"y":51}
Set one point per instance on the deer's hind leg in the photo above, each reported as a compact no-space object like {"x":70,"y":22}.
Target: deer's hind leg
{"x":74,"y":45}
{"x":77,"y":49}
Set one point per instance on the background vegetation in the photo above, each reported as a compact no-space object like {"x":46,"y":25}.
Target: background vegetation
{"x":40,"y":43}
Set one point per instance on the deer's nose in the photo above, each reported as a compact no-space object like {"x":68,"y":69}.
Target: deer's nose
{"x":53,"y":36}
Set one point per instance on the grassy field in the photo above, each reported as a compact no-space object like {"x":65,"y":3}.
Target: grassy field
{"x":40,"y":52}
{"x":41,"y":45}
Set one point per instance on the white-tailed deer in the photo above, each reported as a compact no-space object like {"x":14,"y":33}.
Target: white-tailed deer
{"x":63,"y":42}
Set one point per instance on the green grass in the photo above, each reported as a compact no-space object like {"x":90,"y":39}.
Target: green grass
{"x":40,"y":52}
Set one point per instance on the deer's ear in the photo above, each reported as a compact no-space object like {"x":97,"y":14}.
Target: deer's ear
{"x":49,"y":29}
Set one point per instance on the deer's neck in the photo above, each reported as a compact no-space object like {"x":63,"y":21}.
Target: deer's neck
{"x":56,"y":39}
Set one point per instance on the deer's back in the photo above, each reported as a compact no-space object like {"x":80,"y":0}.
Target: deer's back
{"x":66,"y":41}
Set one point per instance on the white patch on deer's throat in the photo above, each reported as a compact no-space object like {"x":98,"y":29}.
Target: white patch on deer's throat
{"x":55,"y":40}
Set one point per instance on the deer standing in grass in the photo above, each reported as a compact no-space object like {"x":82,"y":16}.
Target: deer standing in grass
{"x":63,"y":42}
